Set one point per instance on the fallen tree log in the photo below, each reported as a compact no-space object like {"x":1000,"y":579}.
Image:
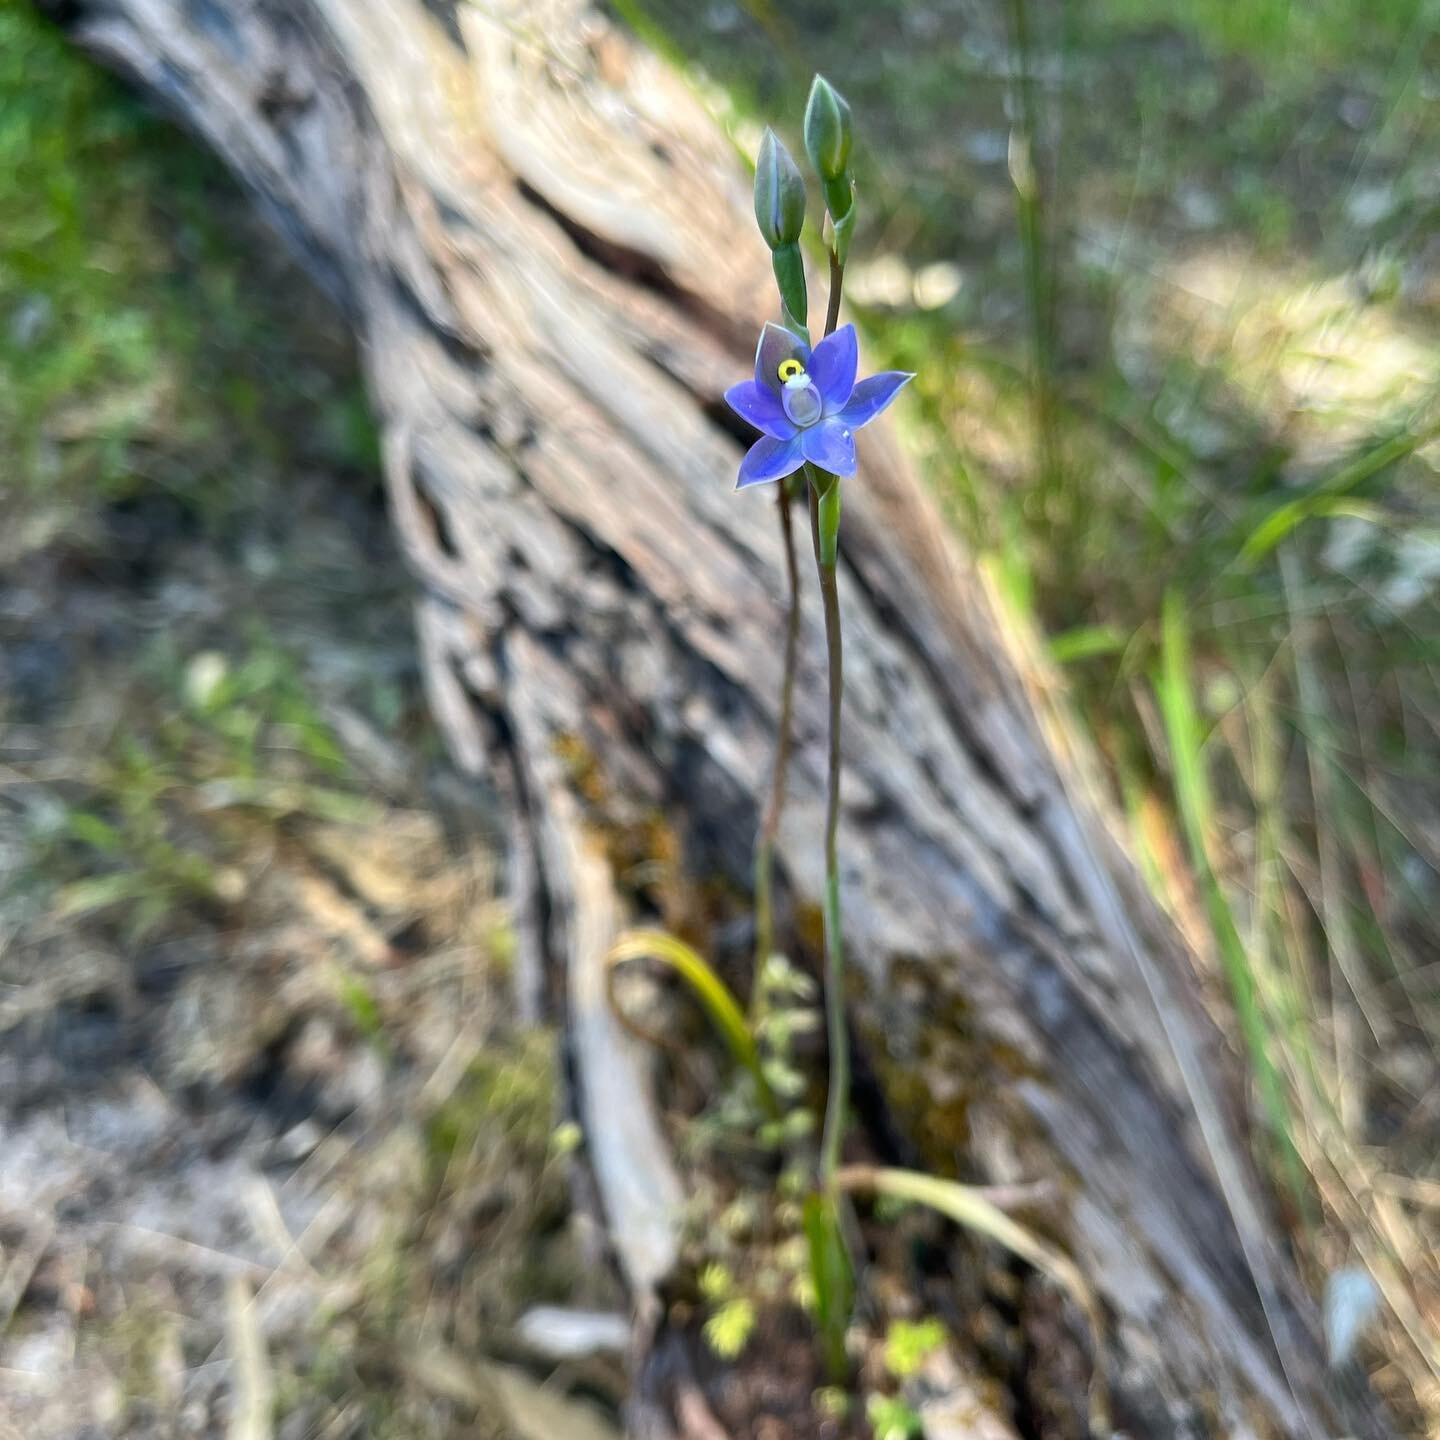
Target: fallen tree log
{"x":542,"y":242}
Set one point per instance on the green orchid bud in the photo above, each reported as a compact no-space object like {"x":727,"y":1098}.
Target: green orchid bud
{"x":779,"y":193}
{"x":790,"y":278}
{"x":827,"y":130}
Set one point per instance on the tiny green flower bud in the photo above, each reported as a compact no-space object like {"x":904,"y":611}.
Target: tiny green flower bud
{"x":827,"y":130}
{"x":779,"y":193}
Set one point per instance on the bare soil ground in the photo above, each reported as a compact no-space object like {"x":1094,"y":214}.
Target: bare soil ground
{"x":269,"y":1146}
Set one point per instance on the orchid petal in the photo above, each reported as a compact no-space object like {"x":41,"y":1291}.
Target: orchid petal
{"x":832,"y":367}
{"x":769,"y":459}
{"x":757,"y":405}
{"x":830,"y":445}
{"x":872,"y":395}
{"x":777,"y":344}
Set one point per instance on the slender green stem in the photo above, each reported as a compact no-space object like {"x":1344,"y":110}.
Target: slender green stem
{"x":837,"y":284}
{"x":770,"y":823}
{"x":822,"y":532}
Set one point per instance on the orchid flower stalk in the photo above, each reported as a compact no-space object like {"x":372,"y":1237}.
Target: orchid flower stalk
{"x":807,"y":405}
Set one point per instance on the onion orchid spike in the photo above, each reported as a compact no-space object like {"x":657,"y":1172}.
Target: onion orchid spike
{"x":807,"y":405}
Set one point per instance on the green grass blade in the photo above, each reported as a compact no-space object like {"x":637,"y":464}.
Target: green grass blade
{"x":974,"y":1211}
{"x":1085,"y":641}
{"x":833,"y":1278}
{"x":1193,"y":798}
{"x":714,"y":995}
{"x":1327,"y":498}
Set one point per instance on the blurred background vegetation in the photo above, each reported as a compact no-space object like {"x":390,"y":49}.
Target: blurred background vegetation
{"x":1169,"y":274}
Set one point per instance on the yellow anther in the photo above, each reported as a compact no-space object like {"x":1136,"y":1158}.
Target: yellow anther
{"x":789,"y":369}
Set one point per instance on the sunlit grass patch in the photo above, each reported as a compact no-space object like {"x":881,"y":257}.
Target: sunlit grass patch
{"x":1278,"y":31}
{"x":131,"y":354}
{"x":72,"y":225}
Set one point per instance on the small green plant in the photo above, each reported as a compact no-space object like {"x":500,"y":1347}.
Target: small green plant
{"x":259,"y":699}
{"x":141,"y":843}
{"x":125,"y":845}
{"x":728,"y":1330}
{"x":891,"y":1418}
{"x":909,"y":1343}
{"x":358,"y":998}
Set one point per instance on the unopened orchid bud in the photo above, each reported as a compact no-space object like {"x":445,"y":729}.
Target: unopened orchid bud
{"x":827,"y":132}
{"x":779,"y":193}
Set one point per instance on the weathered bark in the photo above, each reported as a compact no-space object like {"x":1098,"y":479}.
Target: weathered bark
{"x":541,"y":240}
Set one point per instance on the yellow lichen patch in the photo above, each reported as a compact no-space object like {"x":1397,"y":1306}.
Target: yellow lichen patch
{"x":810,"y":931}
{"x":582,"y":767}
{"x":643,"y":847}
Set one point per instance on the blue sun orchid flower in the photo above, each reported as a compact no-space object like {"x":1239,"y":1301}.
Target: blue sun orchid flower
{"x":807,"y":404}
